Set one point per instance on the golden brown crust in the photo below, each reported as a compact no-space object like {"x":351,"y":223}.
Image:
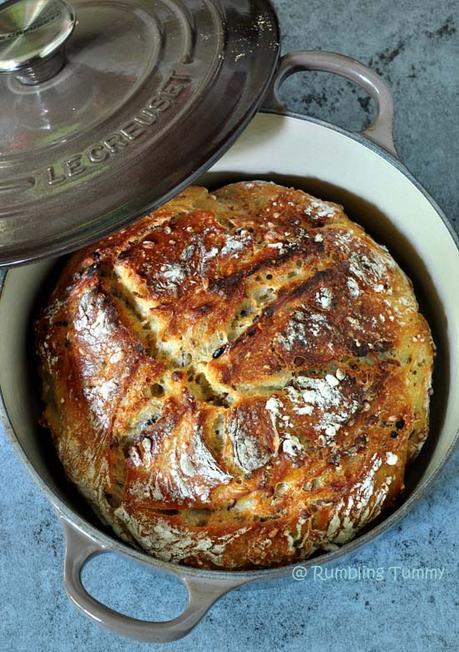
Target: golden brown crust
{"x":238,"y":379}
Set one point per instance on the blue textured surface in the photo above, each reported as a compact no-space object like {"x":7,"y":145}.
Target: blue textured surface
{"x":415,"y":46}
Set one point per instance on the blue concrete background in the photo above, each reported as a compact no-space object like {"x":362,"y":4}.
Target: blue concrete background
{"x":415,"y":46}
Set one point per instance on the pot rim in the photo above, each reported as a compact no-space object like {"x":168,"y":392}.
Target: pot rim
{"x":109,"y":543}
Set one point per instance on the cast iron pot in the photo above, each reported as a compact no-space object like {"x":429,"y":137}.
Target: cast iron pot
{"x":362,"y":172}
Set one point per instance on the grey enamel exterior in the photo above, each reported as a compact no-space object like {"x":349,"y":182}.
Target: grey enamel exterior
{"x":205,"y":587}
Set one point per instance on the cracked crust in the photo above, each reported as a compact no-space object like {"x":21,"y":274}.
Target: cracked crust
{"x":238,"y":379}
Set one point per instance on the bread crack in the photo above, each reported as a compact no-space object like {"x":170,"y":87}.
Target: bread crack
{"x":238,"y":357}
{"x":205,"y":391}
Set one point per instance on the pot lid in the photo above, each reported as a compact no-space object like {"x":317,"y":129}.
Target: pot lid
{"x":109,"y":107}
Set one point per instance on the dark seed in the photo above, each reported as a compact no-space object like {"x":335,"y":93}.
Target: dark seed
{"x":362,"y":350}
{"x":92,"y":269}
{"x":218,"y":352}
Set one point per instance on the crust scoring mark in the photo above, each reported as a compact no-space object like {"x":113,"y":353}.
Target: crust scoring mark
{"x":316,"y":395}
{"x":336,"y":410}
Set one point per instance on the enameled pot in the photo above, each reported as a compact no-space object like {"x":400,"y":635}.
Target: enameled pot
{"x":364,"y":174}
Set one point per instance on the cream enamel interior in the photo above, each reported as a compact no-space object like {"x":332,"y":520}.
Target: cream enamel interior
{"x":326,"y":162}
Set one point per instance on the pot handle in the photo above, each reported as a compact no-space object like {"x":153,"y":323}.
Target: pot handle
{"x":202,"y":594}
{"x":381,"y":130}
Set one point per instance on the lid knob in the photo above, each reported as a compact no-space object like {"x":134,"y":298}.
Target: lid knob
{"x":32,"y":37}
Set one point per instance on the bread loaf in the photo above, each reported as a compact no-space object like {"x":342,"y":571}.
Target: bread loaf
{"x":238,"y":379}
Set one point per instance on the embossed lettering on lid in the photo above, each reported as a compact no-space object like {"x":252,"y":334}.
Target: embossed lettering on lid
{"x":144,"y":97}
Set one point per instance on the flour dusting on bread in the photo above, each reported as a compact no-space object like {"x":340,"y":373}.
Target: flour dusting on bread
{"x":237,"y":380}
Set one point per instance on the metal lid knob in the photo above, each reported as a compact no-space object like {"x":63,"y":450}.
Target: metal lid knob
{"x":32,"y":37}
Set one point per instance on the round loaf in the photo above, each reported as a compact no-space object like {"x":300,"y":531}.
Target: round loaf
{"x":238,"y":379}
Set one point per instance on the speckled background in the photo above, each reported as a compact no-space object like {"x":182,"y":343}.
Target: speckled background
{"x":414,"y":44}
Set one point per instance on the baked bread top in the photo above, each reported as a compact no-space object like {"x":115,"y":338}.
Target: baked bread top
{"x":238,"y":379}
